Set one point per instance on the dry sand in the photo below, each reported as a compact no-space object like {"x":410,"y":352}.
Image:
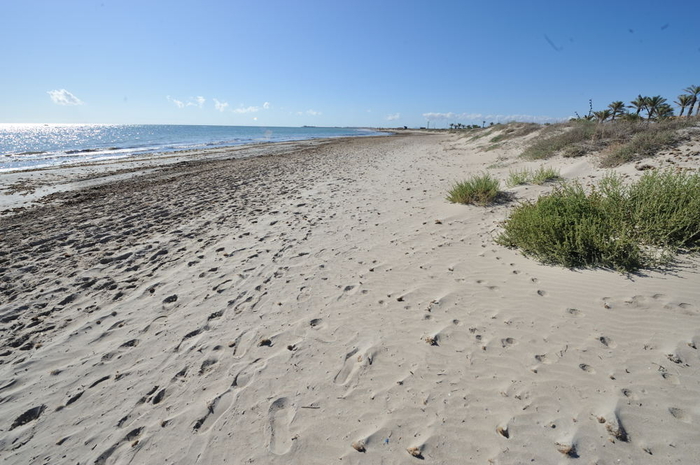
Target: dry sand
{"x":327,"y":305}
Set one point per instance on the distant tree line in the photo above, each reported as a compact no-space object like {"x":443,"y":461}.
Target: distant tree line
{"x":656,"y":108}
{"x":468,"y":126}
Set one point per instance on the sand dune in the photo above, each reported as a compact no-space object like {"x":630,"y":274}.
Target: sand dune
{"x":325,"y":304}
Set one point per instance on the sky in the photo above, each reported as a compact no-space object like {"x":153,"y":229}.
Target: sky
{"x":379,"y":63}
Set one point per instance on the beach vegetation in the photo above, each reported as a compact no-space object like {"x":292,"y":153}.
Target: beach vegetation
{"x":514,"y":130}
{"x":543,"y":175}
{"x":627,"y":139}
{"x":481,"y":189}
{"x":481,"y":132}
{"x":642,"y":144}
{"x":519,"y":177}
{"x":558,"y":136}
{"x":539,"y":176}
{"x":613,"y":225}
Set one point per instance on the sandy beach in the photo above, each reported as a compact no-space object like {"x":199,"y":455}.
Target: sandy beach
{"x":321,"y":302}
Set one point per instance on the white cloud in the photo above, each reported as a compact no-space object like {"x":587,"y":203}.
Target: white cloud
{"x":313,"y":113}
{"x":220,"y":106}
{"x":177,"y":103}
{"x":198,"y":102}
{"x":393,"y":117}
{"x":192,"y":102}
{"x":63,"y":97}
{"x":251,"y":109}
{"x":246,"y":109}
{"x":490,"y":118}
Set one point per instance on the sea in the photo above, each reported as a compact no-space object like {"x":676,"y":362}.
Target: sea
{"x":27,"y":146}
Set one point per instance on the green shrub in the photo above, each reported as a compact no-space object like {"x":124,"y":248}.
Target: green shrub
{"x":665,"y":208}
{"x":569,"y":228}
{"x":613,"y":226}
{"x":479,"y":190}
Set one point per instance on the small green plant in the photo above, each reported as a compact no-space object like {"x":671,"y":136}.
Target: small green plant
{"x":540,"y":176}
{"x":519,"y":177}
{"x":478,"y":190}
{"x":543,"y":175}
{"x":613,"y":226}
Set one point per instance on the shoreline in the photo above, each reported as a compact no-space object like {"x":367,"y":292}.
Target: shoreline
{"x":292,"y":307}
{"x":26,"y":187}
{"x":162,"y":142}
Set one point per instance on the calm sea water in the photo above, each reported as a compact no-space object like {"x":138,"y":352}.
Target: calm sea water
{"x":25,"y":146}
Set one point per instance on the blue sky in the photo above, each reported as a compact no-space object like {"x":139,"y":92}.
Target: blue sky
{"x":338,"y":63}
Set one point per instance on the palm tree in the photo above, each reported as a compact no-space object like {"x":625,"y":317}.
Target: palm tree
{"x":664,"y":111}
{"x":683,"y":102}
{"x":693,"y":91}
{"x":654,"y":104}
{"x":617,"y":108}
{"x":602,"y":115}
{"x":640,"y":103}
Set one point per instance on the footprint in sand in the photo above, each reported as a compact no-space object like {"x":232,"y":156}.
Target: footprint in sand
{"x":215,"y":409}
{"x":244,"y":376}
{"x":586,"y":368}
{"x":348,"y":367}
{"x":355,"y":362}
{"x":574,"y":312}
{"x":670,"y":377}
{"x":280,"y":416}
{"x":679,"y":414}
{"x":507,"y":342}
{"x":607,"y":342}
